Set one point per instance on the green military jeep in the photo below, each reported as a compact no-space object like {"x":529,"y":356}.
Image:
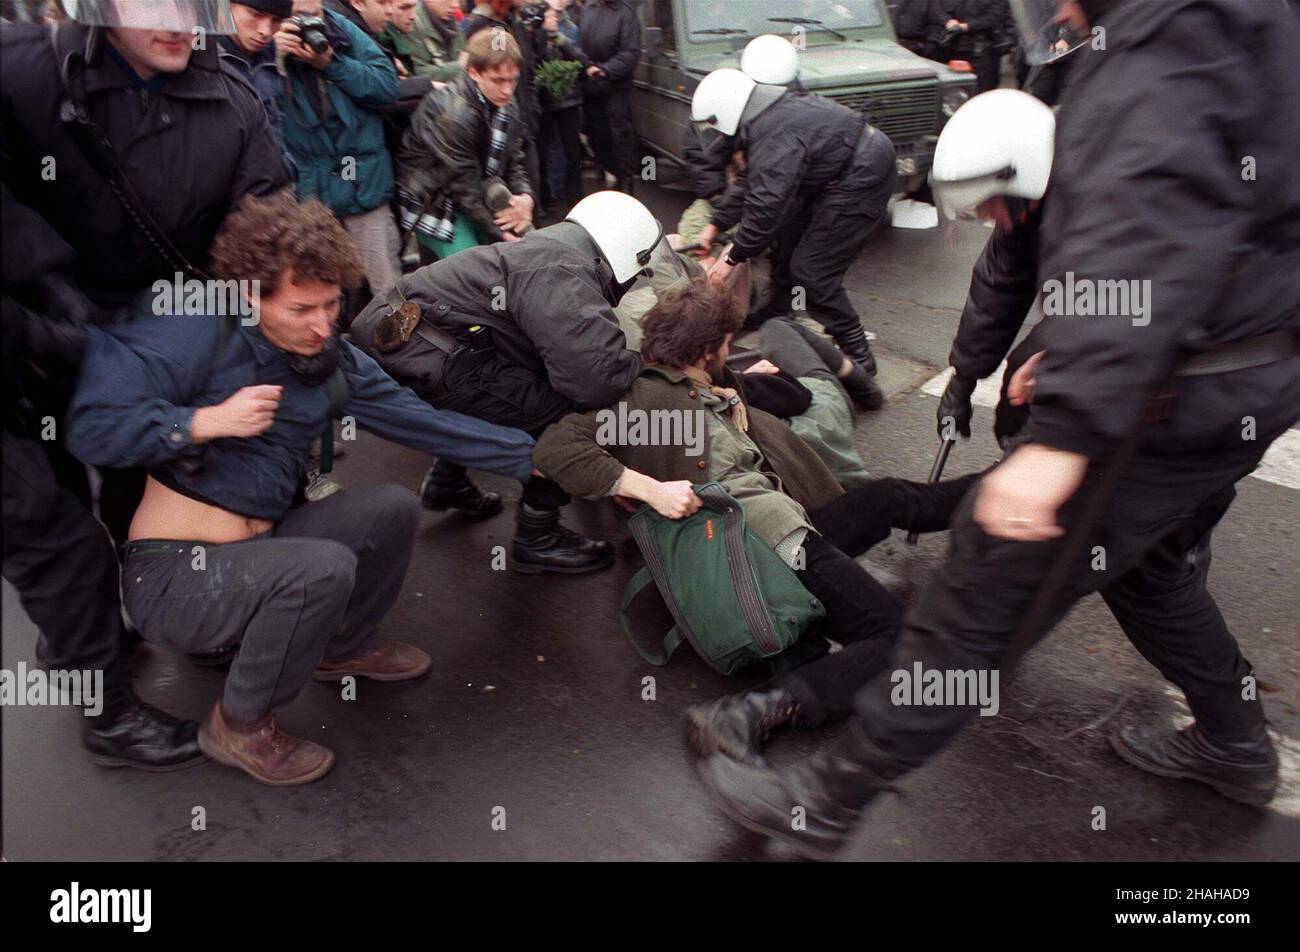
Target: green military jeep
{"x":848,"y":53}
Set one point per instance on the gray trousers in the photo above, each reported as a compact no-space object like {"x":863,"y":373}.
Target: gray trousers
{"x":317,"y":585}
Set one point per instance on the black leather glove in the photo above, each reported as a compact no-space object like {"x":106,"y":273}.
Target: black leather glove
{"x":955,"y":404}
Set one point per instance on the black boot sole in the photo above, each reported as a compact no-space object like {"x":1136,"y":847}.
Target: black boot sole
{"x":1247,"y":795}
{"x":104,"y":760}
{"x":706,"y":742}
{"x":801,"y":846}
{"x":534,"y":568}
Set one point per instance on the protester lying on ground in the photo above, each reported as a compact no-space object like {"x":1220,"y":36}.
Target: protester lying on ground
{"x":789,"y":497}
{"x":860,"y":385}
{"x":223,"y":413}
{"x":463,"y":174}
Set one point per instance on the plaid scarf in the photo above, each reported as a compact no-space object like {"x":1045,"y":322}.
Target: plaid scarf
{"x":442,"y":227}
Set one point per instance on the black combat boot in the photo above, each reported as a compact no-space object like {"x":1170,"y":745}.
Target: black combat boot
{"x":737,"y":725}
{"x":812,"y":805}
{"x":858,"y":349}
{"x":542,"y":544}
{"x":131,"y":733}
{"x":443,"y":490}
{"x":1243,"y":770}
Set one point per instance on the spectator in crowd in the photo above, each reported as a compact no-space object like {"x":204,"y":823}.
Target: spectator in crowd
{"x":509,"y":15}
{"x":611,"y":37}
{"x":919,"y":25}
{"x":560,"y":93}
{"x":371,"y":17}
{"x":223,"y":413}
{"x":335,"y":132}
{"x":250,"y":51}
{"x":392,"y":38}
{"x":210,"y":133}
{"x":433,"y":46}
{"x":984,"y":31}
{"x":454,"y":193}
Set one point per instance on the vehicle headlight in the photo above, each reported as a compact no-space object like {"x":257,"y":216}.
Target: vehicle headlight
{"x":952,"y":100}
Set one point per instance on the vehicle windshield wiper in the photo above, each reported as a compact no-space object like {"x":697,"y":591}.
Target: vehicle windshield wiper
{"x":718,"y":31}
{"x":805,"y":21}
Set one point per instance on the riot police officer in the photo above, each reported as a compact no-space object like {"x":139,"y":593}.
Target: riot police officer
{"x":89,"y":116}
{"x":816,"y":183}
{"x":1143,"y":420}
{"x":521,"y":333}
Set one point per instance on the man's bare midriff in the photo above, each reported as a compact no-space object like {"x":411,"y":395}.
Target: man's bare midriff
{"x":166,"y":514}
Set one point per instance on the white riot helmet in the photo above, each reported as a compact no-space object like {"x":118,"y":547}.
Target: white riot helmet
{"x":999,"y":143}
{"x":177,"y":16}
{"x":770,"y":59}
{"x":628,"y":236}
{"x":720,"y":100}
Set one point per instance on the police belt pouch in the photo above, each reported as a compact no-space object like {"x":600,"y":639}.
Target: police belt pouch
{"x":728,"y":593}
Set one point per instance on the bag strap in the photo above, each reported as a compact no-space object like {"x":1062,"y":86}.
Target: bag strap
{"x":98,"y":148}
{"x":337,"y":388}
{"x":744,"y":581}
{"x":671,"y":641}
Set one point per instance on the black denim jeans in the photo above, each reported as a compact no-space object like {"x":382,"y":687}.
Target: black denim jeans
{"x":860,"y":614}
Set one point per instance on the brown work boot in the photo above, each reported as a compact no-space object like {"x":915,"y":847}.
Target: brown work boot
{"x":264,"y":752}
{"x":387,"y":661}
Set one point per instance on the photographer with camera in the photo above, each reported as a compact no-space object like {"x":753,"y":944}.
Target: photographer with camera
{"x":339,"y":80}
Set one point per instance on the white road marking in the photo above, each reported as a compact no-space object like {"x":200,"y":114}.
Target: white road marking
{"x":1281,"y":464}
{"x":986,"y":392}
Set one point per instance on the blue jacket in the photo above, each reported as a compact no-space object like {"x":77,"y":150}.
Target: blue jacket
{"x":341,"y":158}
{"x":141,"y":382}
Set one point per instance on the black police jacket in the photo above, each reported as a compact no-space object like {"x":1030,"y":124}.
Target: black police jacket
{"x":544,"y":304}
{"x":192,"y":149}
{"x":1003,"y":286}
{"x":1164,"y":146}
{"x":793,"y":149}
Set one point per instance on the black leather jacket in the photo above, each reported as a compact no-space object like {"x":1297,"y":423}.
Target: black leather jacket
{"x":446,"y":146}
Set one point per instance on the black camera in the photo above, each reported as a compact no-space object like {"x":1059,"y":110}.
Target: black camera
{"x":312,"y":31}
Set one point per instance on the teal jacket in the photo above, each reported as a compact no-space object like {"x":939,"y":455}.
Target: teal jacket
{"x":333,"y":130}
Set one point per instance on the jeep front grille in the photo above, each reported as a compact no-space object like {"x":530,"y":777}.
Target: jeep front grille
{"x":899,"y":113}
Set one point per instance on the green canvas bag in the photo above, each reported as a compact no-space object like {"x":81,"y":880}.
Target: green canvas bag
{"x":731,"y":596}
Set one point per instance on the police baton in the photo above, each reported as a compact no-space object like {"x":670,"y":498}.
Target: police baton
{"x":936,"y":471}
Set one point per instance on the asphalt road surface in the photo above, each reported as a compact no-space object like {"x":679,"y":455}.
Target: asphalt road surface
{"x":534,"y":712}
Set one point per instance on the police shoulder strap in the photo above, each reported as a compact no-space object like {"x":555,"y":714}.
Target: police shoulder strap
{"x":98,"y":148}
